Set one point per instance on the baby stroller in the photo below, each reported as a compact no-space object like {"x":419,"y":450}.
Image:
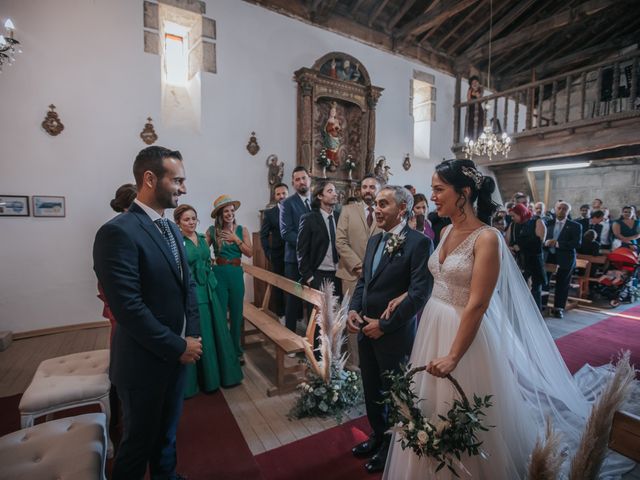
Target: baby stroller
{"x":616,"y":284}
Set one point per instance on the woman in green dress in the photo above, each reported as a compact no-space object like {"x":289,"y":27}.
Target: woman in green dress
{"x":230,"y":242}
{"x":218,"y":365}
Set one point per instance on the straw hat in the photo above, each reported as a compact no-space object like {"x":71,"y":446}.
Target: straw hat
{"x":221,"y":202}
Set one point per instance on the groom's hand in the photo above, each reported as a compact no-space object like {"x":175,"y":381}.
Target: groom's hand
{"x":372,"y":330}
{"x":354,"y":321}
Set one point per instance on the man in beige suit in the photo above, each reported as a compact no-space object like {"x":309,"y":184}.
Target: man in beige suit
{"x":357,"y":223}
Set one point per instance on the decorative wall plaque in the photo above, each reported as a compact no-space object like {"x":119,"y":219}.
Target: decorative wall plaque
{"x":275,"y":173}
{"x":52,"y":124}
{"x":406,"y":164}
{"x":148,"y":134}
{"x":381,"y":169}
{"x":252,"y":146}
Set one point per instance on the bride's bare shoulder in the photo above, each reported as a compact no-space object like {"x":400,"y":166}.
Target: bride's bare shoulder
{"x":488,"y":239}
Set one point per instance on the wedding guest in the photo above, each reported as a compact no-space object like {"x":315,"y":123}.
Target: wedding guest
{"x":590,"y":245}
{"x":585,"y":213}
{"x":564,"y":237}
{"x":418,"y":220}
{"x":627,"y":228}
{"x":525,"y":237}
{"x":606,"y":235}
{"x":521,"y":198}
{"x":594,"y":222}
{"x":437,"y":224}
{"x":507,"y":207}
{"x":475,"y":112}
{"x":291,"y":210}
{"x":540,"y":210}
{"x":597,"y":204}
{"x":355,"y":226}
{"x":218,"y":364}
{"x":272,"y":243}
{"x":498,"y":222}
{"x":230,"y":241}
{"x":411,"y":188}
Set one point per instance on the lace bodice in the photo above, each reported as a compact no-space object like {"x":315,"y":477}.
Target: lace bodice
{"x":452,"y":279}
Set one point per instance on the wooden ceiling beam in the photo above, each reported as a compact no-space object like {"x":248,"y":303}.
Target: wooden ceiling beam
{"x":356,"y":6}
{"x":377,"y":11}
{"x":460,"y":24}
{"x":563,"y":19}
{"x":434,"y":18}
{"x":401,"y":13}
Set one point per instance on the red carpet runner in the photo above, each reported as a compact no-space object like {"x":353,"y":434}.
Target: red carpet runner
{"x":210,"y":444}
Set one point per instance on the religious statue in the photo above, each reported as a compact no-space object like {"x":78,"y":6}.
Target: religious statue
{"x":331,"y":137}
{"x":275,"y":171}
{"x":382,"y":170}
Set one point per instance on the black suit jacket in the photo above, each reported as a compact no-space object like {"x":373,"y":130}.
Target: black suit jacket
{"x":586,"y":224}
{"x":271,"y":226}
{"x":147,"y":295}
{"x":405,"y":271}
{"x":569,"y":241}
{"x":291,"y":209}
{"x":313,"y":241}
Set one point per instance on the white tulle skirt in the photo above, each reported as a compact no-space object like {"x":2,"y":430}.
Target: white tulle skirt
{"x":516,"y":415}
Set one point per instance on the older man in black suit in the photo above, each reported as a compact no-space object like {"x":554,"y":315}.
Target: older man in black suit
{"x":140,"y":262}
{"x":395,"y":267}
{"x":291,"y":210}
{"x":272,"y":243}
{"x":564,"y":237}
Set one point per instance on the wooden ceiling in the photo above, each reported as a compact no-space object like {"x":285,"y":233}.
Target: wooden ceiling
{"x":530,"y":37}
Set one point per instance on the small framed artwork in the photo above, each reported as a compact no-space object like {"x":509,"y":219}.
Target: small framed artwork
{"x":14,"y":206}
{"x":48,"y":206}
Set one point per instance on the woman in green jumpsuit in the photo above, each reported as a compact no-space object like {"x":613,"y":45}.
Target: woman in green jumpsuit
{"x":218,"y":365}
{"x":230,"y":242}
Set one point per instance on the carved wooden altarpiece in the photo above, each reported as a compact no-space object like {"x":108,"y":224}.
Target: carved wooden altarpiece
{"x":337,"y":119}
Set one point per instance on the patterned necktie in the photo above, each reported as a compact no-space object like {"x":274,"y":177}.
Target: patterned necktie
{"x":370,"y":216}
{"x":332,"y":235}
{"x":163,"y":223}
{"x":306,"y":204}
{"x":378,"y":255}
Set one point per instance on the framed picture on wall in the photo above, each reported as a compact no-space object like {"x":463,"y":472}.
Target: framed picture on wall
{"x":14,"y":206}
{"x":48,"y":206}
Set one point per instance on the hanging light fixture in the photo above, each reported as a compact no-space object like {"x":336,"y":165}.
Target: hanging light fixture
{"x":9,"y":46}
{"x":488,"y":143}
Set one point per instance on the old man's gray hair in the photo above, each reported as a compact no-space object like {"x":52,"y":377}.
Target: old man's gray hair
{"x":402,"y":195}
{"x":566,"y":204}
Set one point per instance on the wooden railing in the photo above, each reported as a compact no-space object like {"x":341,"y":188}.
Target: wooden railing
{"x":578,"y":97}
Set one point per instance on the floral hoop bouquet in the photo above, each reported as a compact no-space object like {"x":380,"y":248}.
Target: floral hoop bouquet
{"x":323,"y":160}
{"x":453,"y":435}
{"x":349,"y":163}
{"x":330,"y":390}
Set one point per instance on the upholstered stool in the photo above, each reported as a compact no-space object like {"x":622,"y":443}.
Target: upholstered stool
{"x":67,"y":382}
{"x":72,"y":448}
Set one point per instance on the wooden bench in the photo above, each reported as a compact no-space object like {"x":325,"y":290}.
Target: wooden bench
{"x":266,"y":323}
{"x":625,"y":435}
{"x":578,"y":282}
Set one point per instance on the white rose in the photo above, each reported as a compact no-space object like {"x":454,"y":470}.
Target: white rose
{"x":410,"y":426}
{"x":422,"y":436}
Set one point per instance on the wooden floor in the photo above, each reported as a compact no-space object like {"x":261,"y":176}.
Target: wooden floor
{"x":262,"y":419}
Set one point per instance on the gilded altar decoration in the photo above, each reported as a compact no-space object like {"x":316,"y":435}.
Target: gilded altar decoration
{"x":252,"y":146}
{"x":406,"y":164}
{"x":52,"y":124}
{"x":148,"y":134}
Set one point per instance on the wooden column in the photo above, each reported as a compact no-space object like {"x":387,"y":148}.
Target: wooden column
{"x":583,"y":93}
{"x":456,"y":111}
{"x":568,"y":102}
{"x":634,"y":80}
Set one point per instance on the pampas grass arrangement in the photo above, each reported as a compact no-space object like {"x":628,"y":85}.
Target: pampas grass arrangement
{"x":546,"y":458}
{"x":593,"y":444}
{"x":329,"y":390}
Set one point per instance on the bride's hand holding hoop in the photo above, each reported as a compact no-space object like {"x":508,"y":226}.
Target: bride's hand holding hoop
{"x":393,"y":304}
{"x":443,"y":366}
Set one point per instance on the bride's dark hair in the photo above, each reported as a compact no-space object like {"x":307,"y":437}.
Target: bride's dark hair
{"x":463,"y":173}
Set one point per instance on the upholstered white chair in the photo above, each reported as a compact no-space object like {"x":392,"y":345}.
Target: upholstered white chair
{"x":67,"y":382}
{"x":72,"y":448}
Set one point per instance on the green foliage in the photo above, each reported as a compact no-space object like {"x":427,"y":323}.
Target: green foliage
{"x":453,"y":435}
{"x":318,"y":399}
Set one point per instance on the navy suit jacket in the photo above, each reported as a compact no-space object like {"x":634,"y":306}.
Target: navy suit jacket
{"x":313,"y":241}
{"x":291,"y":209}
{"x":271,"y":227}
{"x":569,"y":241}
{"x":405,"y":271}
{"x":147,"y":295}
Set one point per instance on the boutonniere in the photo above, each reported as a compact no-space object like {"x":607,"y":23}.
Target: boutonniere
{"x":394,"y":244}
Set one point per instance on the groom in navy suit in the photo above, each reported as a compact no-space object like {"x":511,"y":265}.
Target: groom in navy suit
{"x":140,"y":262}
{"x":395,"y":264}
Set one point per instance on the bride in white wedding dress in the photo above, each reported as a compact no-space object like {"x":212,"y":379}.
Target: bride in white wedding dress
{"x":482,"y":326}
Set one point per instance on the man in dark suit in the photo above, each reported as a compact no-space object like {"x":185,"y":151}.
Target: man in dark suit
{"x":395,"y":264}
{"x":316,"y":250}
{"x":291,"y":210}
{"x":564,"y":236}
{"x":140,"y":262}
{"x":272,"y":243}
{"x":594,"y":222}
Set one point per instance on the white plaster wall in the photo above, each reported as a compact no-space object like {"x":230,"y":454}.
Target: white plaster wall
{"x":86,"y":57}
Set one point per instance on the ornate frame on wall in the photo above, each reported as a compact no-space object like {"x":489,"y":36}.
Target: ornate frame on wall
{"x":337,"y":117}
